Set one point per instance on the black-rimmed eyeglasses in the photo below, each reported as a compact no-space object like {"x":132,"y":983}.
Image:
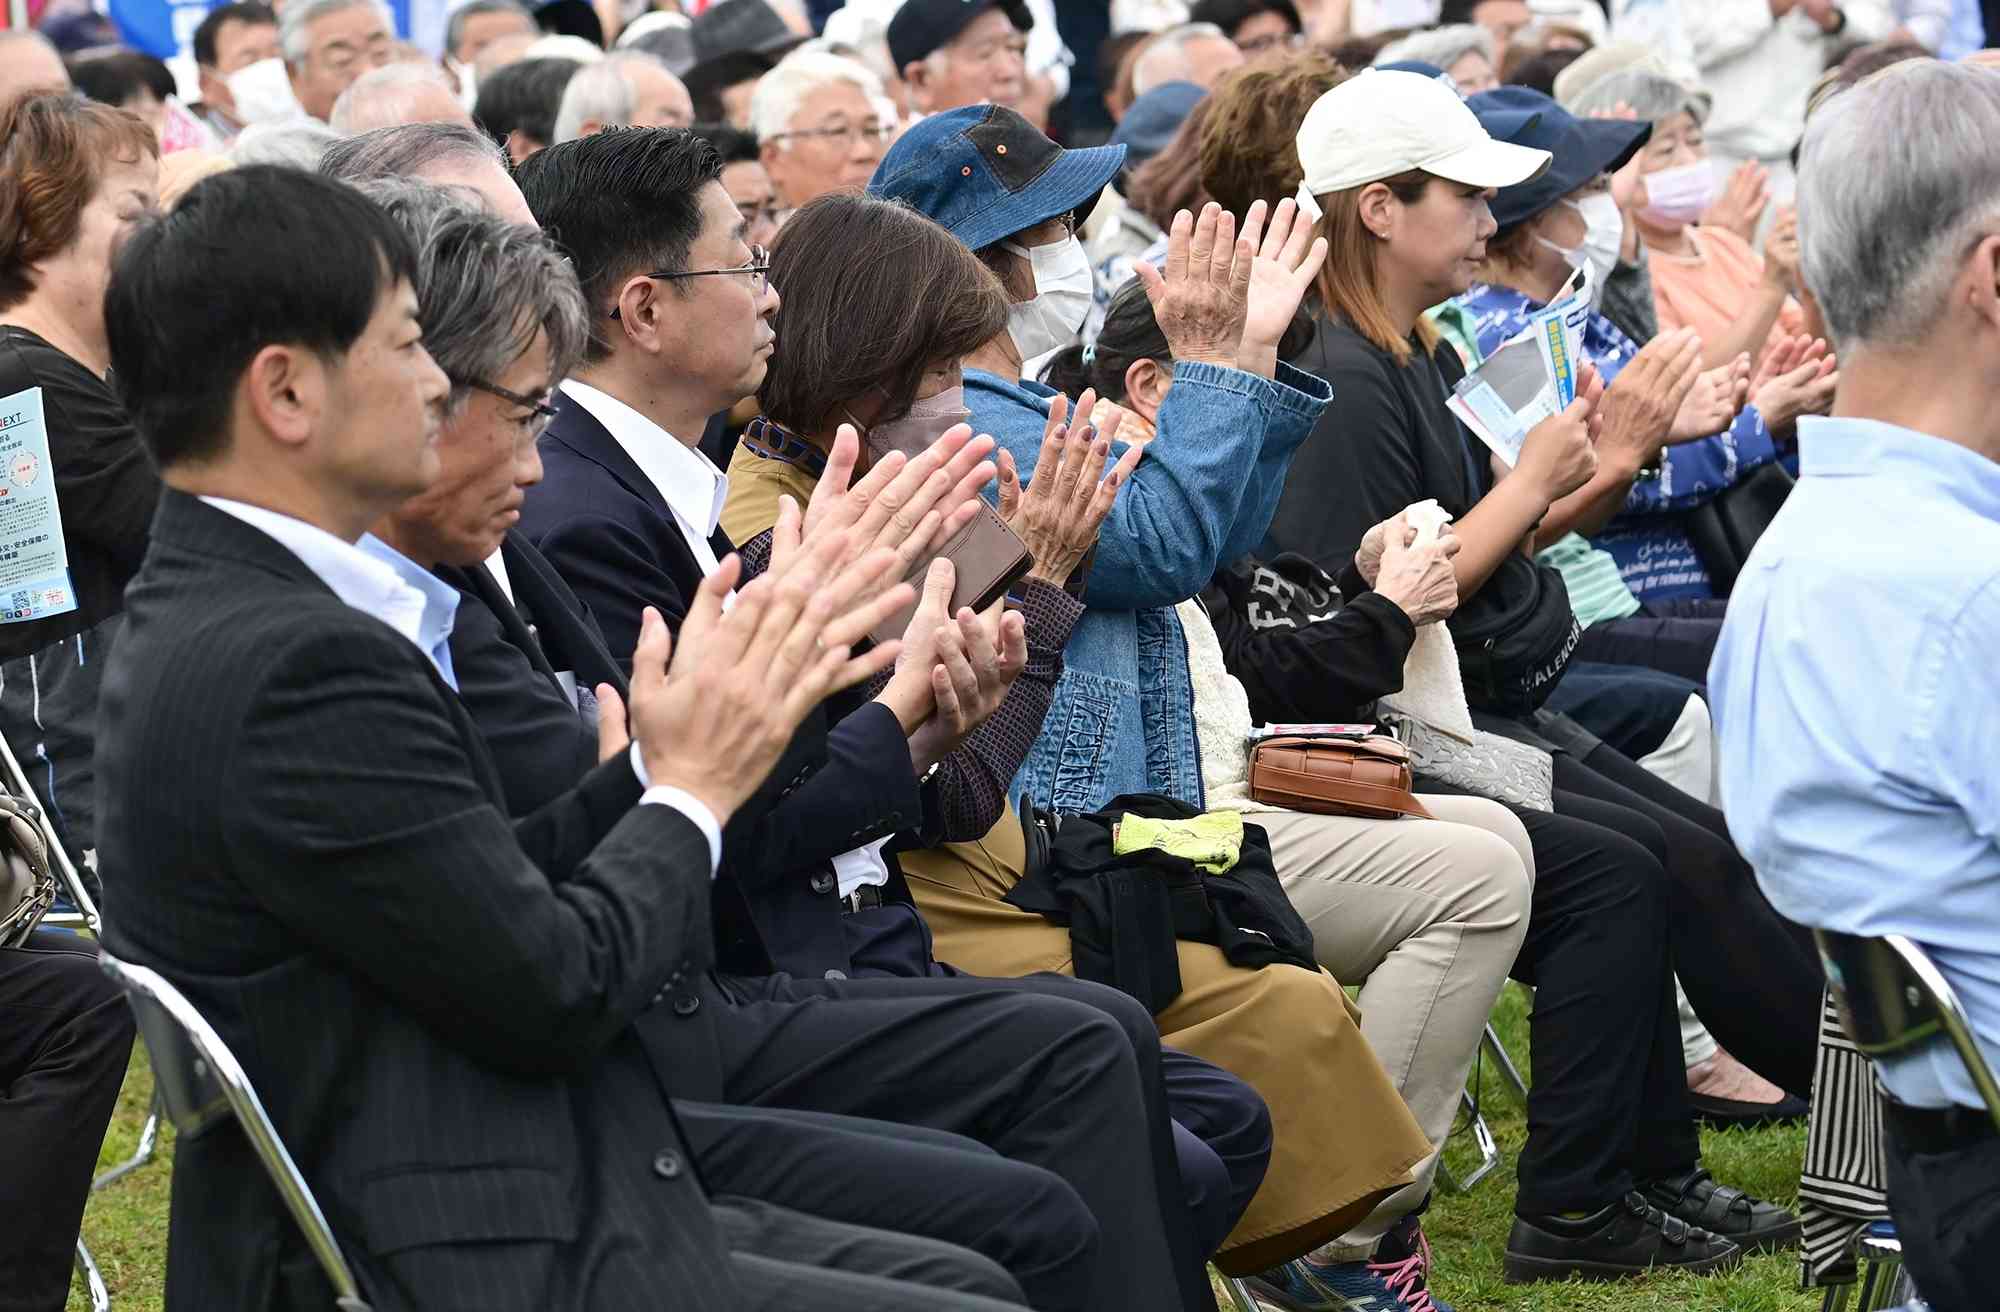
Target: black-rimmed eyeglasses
{"x":758,"y":269}
{"x":541,"y":412}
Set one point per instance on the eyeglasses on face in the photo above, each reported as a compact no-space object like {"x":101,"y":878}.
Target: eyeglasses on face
{"x":758,"y":270}
{"x":844,"y":133}
{"x":540,"y":411}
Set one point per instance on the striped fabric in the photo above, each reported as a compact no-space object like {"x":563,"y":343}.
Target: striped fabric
{"x":1844,"y":1184}
{"x":1597,"y":590}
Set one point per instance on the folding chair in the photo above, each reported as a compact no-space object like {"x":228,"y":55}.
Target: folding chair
{"x":1482,"y":1134}
{"x":93,"y":1280}
{"x":1891,"y":997}
{"x":202,"y":1085}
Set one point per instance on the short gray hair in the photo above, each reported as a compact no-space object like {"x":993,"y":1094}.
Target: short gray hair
{"x":782,"y":91}
{"x":485,"y":287}
{"x":1897,"y":179}
{"x":1652,"y":97}
{"x":1442,"y":47}
{"x":1165,"y":57}
{"x":293,"y":36}
{"x":407,"y":150}
{"x":454,"y":27}
{"x":600,"y":93}
{"x":297,"y":142}
{"x":387,"y":94}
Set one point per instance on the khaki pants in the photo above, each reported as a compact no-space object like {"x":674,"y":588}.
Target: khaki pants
{"x":1427,"y":916}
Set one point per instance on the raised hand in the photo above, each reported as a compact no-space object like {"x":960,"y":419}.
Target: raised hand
{"x":1057,"y":514}
{"x":1781,"y":250}
{"x":1639,"y":407}
{"x":1288,"y":259}
{"x":907,"y":505}
{"x":1805,"y":390}
{"x":713,"y":712}
{"x":1742,"y":201}
{"x":1203,"y":297}
{"x":1711,"y":404}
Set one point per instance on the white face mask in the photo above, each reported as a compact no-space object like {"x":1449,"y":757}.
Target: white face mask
{"x":1679,"y":196}
{"x":1062,"y":297}
{"x":263,"y":92}
{"x":925,"y":423}
{"x":1603,"y":238}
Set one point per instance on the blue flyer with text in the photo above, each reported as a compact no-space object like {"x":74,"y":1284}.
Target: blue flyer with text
{"x":34,"y":562}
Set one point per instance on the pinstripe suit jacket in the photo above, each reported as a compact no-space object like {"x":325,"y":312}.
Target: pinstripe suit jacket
{"x":436,"y":1005}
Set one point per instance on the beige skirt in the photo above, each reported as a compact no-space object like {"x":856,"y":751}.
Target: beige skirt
{"x":1343,"y":1138}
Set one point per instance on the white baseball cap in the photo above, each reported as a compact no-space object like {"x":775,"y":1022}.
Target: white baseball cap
{"x":1380,"y":123}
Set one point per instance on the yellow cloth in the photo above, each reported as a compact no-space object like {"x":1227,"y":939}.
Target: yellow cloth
{"x":1212,"y":840}
{"x":756,"y":482}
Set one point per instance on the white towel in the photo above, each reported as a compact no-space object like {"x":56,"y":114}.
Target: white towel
{"x":1433,"y":690}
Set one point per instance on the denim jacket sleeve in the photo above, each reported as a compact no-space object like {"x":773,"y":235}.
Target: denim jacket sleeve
{"x":1189,"y":507}
{"x":1695,"y":472}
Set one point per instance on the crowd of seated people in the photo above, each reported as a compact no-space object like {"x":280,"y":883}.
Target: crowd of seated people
{"x":520,"y":677}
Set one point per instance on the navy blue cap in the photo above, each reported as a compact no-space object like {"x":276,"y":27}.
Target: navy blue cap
{"x":1417,"y":66}
{"x":1582,"y":147}
{"x":984,"y":173}
{"x":1153,"y":119}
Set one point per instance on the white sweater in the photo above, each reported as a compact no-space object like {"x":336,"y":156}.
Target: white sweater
{"x":1761,"y":68}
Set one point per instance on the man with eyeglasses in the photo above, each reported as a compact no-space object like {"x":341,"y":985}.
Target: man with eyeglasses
{"x":962,"y":52}
{"x":328,"y":44}
{"x":822,"y":124}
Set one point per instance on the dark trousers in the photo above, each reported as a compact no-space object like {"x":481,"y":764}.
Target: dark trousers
{"x":65,"y":1037}
{"x":882,"y":1175}
{"x":1221,"y":1128}
{"x":1753,"y":977}
{"x":807,"y":1262}
{"x":1042,"y":1079}
{"x":1608,"y":1106}
{"x":1945,"y":1198}
{"x":1676,"y":637}
{"x":1631,"y":708}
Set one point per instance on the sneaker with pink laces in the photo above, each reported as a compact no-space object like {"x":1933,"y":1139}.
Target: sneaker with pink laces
{"x":1403,"y":1265}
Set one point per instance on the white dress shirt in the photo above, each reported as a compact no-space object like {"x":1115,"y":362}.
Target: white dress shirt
{"x":375,"y":579}
{"x":688,"y":481}
{"x":694,"y":490}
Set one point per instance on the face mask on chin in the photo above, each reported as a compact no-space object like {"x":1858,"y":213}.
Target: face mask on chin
{"x":1603,"y":238}
{"x":1675,"y":197}
{"x":1061,"y":302}
{"x":926,"y":421}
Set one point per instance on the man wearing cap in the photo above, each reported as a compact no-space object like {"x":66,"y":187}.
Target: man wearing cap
{"x":962,"y":52}
{"x":1202,"y":495}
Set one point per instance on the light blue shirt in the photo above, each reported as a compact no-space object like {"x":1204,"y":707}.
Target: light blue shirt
{"x":1856,"y":690}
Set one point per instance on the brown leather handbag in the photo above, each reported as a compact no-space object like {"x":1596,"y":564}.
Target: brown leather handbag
{"x":1367,"y":777}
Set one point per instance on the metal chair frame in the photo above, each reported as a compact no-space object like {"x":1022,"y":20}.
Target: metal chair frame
{"x":1891,"y":997}
{"x":201,"y":1084}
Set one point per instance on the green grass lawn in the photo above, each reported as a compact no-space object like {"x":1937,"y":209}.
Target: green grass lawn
{"x":126,"y":1226}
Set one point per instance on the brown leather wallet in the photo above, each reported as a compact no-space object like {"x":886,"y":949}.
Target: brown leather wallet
{"x":987,"y":559}
{"x":1335,"y":776}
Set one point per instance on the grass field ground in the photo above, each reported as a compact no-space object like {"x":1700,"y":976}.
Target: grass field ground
{"x":126,"y":1226}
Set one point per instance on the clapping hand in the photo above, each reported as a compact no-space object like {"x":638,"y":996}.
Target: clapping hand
{"x":1058,"y":512}
{"x":713,"y":712}
{"x":1797,"y":378}
{"x":954,"y":671}
{"x":1742,"y":202}
{"x":1713,"y":401}
{"x":1288,"y":259}
{"x":1203,"y":297}
{"x":909,"y":506}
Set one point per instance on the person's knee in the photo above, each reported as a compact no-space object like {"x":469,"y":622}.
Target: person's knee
{"x":1142,"y":1033}
{"x":1492,"y":887}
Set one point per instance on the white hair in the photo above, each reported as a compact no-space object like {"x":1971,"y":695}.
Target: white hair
{"x":294,"y":36}
{"x":1165,"y":58}
{"x":559,"y":46}
{"x":1897,"y":180}
{"x":1441,"y":47}
{"x":386,"y":97}
{"x":299,"y":142}
{"x":600,"y":93}
{"x":781,"y":92}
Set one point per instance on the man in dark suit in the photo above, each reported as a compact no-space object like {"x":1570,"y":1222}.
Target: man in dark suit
{"x":503,"y":318}
{"x":309,"y":837}
{"x":627,"y":514}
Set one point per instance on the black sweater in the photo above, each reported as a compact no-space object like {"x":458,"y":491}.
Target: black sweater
{"x":105,"y":483}
{"x":1300,"y":652}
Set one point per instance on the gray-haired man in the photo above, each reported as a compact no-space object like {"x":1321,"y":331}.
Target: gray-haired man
{"x":327,"y":44}
{"x":1857,"y":754}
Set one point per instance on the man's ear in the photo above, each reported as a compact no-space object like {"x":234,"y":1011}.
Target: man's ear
{"x":643,"y":316}
{"x":520,"y":145}
{"x":1983,"y":285}
{"x":285,"y":392}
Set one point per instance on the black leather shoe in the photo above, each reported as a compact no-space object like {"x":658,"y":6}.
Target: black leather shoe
{"x":1752,"y":1223}
{"x":1627,"y":1238}
{"x":1730,"y":1113}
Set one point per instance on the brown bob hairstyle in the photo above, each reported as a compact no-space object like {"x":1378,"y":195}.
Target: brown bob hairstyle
{"x":873,"y":295}
{"x":52,"y":149}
